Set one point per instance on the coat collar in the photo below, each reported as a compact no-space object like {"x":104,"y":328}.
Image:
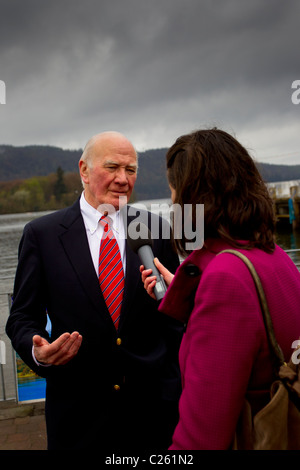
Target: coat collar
{"x":179,"y":299}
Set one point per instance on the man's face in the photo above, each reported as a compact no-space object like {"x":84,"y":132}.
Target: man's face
{"x":111,"y":172}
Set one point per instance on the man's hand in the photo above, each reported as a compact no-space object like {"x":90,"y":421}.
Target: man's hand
{"x":61,"y":351}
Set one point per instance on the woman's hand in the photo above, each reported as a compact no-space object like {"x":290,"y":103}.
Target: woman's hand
{"x":150,"y":281}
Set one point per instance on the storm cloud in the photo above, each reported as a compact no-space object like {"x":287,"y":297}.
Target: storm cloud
{"x":151,"y":69}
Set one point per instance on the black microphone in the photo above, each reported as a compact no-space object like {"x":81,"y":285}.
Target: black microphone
{"x":142,"y":245}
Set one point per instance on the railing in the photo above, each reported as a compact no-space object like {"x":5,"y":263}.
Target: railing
{"x":8,"y":373}
{"x":295,"y":256}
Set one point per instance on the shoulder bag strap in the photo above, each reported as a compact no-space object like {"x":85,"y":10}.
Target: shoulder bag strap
{"x":277,"y":352}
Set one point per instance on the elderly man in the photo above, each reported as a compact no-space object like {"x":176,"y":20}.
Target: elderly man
{"x":111,"y":361}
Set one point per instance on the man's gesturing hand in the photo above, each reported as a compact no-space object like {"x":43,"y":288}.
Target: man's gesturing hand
{"x":61,"y":351}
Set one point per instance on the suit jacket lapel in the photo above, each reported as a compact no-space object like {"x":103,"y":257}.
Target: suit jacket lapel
{"x":132,"y":275}
{"x":74,"y":240}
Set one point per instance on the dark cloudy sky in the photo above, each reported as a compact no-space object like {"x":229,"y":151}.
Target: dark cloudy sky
{"x":152,"y":69}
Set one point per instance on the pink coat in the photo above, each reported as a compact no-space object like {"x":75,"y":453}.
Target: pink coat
{"x":224,"y":350}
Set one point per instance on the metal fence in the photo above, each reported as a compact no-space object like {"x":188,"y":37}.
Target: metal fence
{"x":8,"y":375}
{"x":295,"y":256}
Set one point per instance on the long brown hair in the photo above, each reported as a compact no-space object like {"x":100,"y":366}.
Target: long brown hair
{"x":211,"y":167}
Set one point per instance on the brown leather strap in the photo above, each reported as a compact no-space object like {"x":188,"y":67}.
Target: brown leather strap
{"x":276,"y":349}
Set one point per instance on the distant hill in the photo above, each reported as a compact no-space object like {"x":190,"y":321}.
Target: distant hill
{"x":272,"y":173}
{"x":36,"y":160}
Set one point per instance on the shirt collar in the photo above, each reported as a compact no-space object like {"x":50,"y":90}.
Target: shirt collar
{"x":91,"y":216}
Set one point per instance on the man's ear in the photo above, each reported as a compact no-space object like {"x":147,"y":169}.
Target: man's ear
{"x":84,"y":171}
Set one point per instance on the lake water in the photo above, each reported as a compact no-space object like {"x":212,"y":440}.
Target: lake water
{"x":11,"y":228}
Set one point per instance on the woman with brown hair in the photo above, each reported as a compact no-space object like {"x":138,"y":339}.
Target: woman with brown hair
{"x":224,"y":354}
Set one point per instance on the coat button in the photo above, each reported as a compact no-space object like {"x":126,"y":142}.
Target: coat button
{"x":192,"y":270}
{"x":117,"y":387}
{"x":119,"y":341}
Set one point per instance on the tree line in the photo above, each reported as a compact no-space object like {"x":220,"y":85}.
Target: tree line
{"x":40,"y":193}
{"x":62,"y":186}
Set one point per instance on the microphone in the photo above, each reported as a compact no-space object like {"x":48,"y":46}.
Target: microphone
{"x":142,"y":245}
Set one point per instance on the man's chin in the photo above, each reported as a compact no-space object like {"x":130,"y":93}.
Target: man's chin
{"x":113,"y":204}
{"x":119,"y":200}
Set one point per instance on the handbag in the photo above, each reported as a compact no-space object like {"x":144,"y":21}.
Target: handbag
{"x":277,"y":425}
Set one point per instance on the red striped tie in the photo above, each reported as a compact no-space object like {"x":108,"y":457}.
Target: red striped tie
{"x":111,"y":275}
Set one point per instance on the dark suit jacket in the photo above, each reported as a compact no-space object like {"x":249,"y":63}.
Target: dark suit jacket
{"x":83,"y":407}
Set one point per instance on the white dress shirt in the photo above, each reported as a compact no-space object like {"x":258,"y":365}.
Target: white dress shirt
{"x":94,"y":231}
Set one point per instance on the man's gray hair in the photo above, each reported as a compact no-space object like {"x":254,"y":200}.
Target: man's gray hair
{"x":87,"y":151}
